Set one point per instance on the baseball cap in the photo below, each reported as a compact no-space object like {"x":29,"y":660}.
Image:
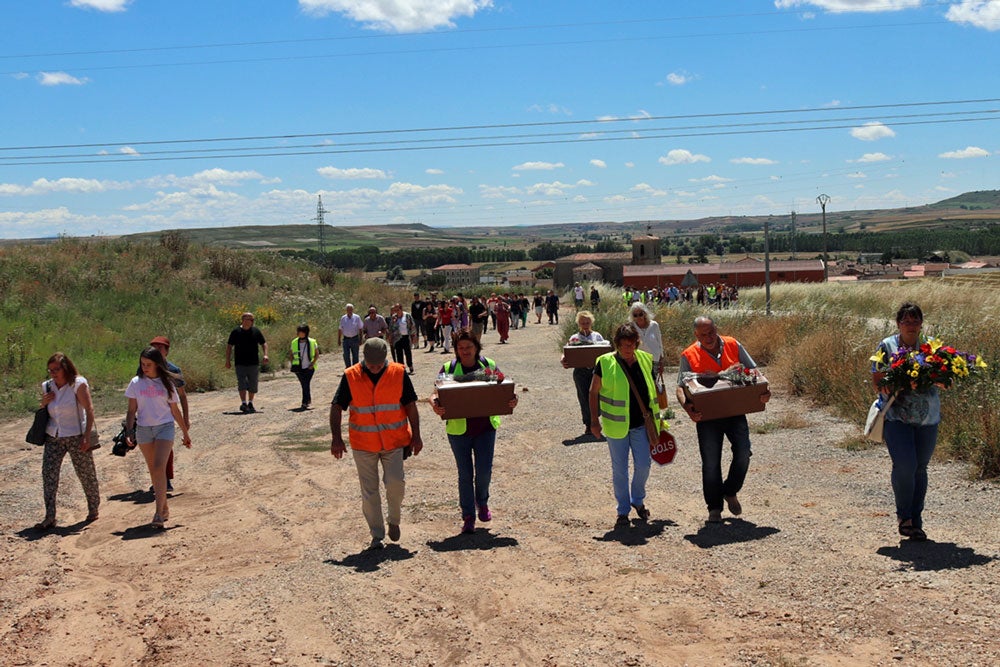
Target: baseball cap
{"x":375,"y":351}
{"x":161,"y":340}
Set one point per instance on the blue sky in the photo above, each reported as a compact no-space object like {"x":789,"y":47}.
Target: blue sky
{"x":121,"y":116}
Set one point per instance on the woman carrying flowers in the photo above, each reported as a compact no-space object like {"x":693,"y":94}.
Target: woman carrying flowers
{"x":472,"y":440}
{"x":911,"y":422}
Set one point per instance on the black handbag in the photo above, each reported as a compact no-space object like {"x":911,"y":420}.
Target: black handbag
{"x":36,"y":434}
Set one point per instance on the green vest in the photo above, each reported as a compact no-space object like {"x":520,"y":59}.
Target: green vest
{"x":616,"y":392}
{"x":313,"y":345}
{"x":458,"y":426}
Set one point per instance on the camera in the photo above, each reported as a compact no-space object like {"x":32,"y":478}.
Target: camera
{"x":121,"y":447}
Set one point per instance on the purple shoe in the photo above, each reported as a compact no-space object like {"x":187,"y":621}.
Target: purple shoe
{"x":469,"y":524}
{"x":484,"y":513}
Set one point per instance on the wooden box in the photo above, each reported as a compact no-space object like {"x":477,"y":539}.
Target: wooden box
{"x":475,"y":399}
{"x":725,"y":400}
{"x":585,"y":356}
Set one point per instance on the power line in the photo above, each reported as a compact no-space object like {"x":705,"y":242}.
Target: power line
{"x":597,"y":122}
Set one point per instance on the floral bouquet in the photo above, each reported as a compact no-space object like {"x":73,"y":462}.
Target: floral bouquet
{"x":481,"y":375}
{"x":930,"y":364}
{"x":738,"y":376}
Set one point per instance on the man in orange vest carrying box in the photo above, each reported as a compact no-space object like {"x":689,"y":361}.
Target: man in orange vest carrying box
{"x":382,"y":423}
{"x":712,"y":353}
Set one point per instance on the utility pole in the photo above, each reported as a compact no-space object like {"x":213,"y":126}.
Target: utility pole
{"x":793,"y":235}
{"x":823,"y":200}
{"x":767,"y":266}
{"x":319,"y":218}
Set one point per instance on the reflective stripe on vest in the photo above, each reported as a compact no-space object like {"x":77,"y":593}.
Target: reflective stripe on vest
{"x":701,"y":361}
{"x":616,"y":392}
{"x":377,"y":420}
{"x":459,"y":426}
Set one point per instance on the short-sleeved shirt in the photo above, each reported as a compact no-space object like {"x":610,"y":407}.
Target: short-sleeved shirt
{"x":342,"y":397}
{"x":245,"y":342}
{"x":374,"y":327}
{"x":910,"y":407}
{"x":173,"y":368}
{"x":152,"y":399}
{"x":350,"y":326}
{"x":66,"y":419}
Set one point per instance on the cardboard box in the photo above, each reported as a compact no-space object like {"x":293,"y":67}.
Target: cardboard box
{"x":725,"y":400}
{"x":475,"y":399}
{"x":585,"y":356}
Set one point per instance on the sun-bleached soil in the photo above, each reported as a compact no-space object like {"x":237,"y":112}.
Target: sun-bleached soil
{"x":263,"y":559}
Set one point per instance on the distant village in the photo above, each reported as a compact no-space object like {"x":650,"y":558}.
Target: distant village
{"x":643,"y":268}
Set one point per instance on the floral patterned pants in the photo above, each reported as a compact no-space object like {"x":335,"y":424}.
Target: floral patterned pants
{"x":83,"y":462}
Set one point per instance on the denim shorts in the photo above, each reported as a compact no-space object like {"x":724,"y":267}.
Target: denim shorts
{"x":144,"y":434}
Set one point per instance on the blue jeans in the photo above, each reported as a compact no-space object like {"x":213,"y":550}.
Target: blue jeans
{"x":352,"y":347}
{"x":910,"y":448}
{"x":637,"y":442}
{"x":474,"y":458}
{"x":710,"y":434}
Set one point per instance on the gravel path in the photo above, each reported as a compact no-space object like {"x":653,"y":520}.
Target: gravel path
{"x":263,"y":561}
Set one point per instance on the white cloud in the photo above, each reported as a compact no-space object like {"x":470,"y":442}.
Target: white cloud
{"x":434,"y":172}
{"x":679,"y":78}
{"x":682,"y":156}
{"x":857,"y":174}
{"x":102,"y":5}
{"x":872,"y":132}
{"x":60,"y":79}
{"x":647,"y":189}
{"x":353,"y":174}
{"x":43,"y":186}
{"x":556,"y":188}
{"x":978,"y":13}
{"x":498,"y":192}
{"x":965,"y":153}
{"x":128,"y":150}
{"x":553,"y":109}
{"x":630,"y":165}
{"x":591,"y":135}
{"x":19,"y":76}
{"x":398,"y":15}
{"x":538,"y":166}
{"x":873,"y":157}
{"x":710,"y":179}
{"x":753,"y":160}
{"x":837,"y":6}
{"x":600,"y":164}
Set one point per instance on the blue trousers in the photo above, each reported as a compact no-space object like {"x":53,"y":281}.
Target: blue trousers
{"x":352,"y":347}
{"x":474,"y":458}
{"x":637,"y":442}
{"x":910,"y":448}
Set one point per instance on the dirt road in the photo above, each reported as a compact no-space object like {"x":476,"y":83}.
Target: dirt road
{"x":263,"y":563}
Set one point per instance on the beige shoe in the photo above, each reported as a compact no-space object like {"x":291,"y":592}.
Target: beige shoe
{"x":733,"y":503}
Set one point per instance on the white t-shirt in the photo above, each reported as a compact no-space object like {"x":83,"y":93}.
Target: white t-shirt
{"x":154,"y":404}
{"x":65,"y":419}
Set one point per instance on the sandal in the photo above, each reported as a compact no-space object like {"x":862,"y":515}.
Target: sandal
{"x":157,"y":522}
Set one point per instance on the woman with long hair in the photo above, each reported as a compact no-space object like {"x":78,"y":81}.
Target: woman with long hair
{"x":153,"y":407}
{"x":66,"y":395}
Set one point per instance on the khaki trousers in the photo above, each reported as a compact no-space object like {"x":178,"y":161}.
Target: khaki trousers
{"x":371,"y":497}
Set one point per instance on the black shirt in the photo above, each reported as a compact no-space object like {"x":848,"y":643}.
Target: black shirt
{"x":245,"y":342}
{"x":343,"y":395}
{"x":478,"y":313}
{"x":417,"y":309}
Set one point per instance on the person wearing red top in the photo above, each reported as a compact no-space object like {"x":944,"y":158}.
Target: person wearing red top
{"x":446,"y":314}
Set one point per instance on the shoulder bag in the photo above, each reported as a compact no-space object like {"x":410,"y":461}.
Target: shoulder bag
{"x":36,"y":434}
{"x":652,"y":430}
{"x":876,"y":420}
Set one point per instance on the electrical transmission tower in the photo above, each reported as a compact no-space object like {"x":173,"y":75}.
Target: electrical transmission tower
{"x":319,"y":218}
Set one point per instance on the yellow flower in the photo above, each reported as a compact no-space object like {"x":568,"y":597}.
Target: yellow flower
{"x":878,"y":357}
{"x":934,"y":343}
{"x":980,"y":363}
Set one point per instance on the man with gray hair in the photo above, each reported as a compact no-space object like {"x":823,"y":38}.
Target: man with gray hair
{"x":383,"y":427}
{"x":349,"y":335}
{"x":712,"y":353}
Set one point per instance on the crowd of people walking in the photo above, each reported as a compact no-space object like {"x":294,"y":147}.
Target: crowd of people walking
{"x":619,"y":394}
